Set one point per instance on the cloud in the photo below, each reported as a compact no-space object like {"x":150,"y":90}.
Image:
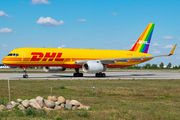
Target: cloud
{"x":155,"y":44}
{"x":49,"y":22}
{"x":168,"y":37}
{"x":4,"y":45}
{"x":115,"y":14}
{"x":179,"y":39}
{"x":3,"y":14}
{"x":34,"y":2}
{"x":6,"y":30}
{"x":134,"y":40}
{"x":157,"y":52}
{"x":168,"y":46}
{"x":105,"y":42}
{"x":177,"y":57}
{"x":127,"y":48}
{"x":81,"y":20}
{"x":116,"y":42}
{"x":62,"y":46}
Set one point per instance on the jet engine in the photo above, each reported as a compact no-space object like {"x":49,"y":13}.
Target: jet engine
{"x":54,"y":69}
{"x":93,"y":66}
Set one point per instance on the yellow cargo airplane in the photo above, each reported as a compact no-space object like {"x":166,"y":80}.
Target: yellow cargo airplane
{"x":90,"y":60}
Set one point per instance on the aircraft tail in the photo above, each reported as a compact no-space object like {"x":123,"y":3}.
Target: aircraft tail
{"x":142,"y":44}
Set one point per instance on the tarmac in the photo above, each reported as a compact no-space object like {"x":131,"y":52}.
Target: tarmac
{"x":109,"y":76}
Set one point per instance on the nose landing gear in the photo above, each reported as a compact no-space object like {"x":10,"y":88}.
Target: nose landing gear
{"x":25,"y":74}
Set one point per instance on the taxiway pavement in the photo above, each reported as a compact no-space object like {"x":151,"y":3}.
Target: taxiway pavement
{"x":109,"y":75}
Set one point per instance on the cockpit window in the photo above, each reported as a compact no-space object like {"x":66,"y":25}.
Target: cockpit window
{"x":13,"y":54}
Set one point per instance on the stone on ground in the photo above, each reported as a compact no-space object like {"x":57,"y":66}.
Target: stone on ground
{"x":19,"y":100}
{"x":49,"y":103}
{"x":2,"y":107}
{"x":25,"y":103}
{"x":21,"y":107}
{"x":69,"y":106}
{"x":61,"y":99}
{"x":75,"y":103}
{"x":57,"y":108}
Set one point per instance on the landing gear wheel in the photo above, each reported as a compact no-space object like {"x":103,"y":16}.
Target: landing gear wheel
{"x":25,"y":76}
{"x":78,"y":74}
{"x":100,"y":75}
{"x":81,"y":74}
{"x":103,"y":75}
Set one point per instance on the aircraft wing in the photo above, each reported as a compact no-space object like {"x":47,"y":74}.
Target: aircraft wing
{"x":111,"y":61}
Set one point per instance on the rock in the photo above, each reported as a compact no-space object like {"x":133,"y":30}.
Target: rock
{"x":32,"y":101}
{"x":61,"y":99}
{"x":57,"y":108}
{"x":81,"y":106}
{"x":21,"y":107}
{"x":47,"y":109}
{"x":50,"y":98}
{"x":19,"y":100}
{"x":39,"y":98}
{"x":49,"y":103}
{"x":54,"y":98}
{"x":69,"y":106}
{"x":35,"y":105}
{"x":74,"y":107}
{"x":40,"y":101}
{"x":86,"y":107}
{"x":57,"y":103}
{"x":75,"y":103}
{"x":2,"y":107}
{"x":67,"y":102}
{"x":13,"y":103}
{"x":25,"y":103}
{"x":10,"y":106}
{"x":63,"y":105}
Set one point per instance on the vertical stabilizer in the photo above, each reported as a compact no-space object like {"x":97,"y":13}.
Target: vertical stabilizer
{"x":142,"y":44}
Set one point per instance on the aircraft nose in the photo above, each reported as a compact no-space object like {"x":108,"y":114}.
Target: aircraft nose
{"x":4,"y":60}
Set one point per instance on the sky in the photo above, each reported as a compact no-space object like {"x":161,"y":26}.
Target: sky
{"x":94,"y":24}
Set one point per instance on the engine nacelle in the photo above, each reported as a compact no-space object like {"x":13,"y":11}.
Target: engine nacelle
{"x":54,"y":69}
{"x":93,"y":66}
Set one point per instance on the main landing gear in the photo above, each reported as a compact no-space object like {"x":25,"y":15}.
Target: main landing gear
{"x":77,"y":74}
{"x":25,"y":74}
{"x":100,"y":74}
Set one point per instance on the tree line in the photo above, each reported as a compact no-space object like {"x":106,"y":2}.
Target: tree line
{"x":153,"y":66}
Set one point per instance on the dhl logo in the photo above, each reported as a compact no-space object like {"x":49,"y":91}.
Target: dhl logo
{"x":39,"y":56}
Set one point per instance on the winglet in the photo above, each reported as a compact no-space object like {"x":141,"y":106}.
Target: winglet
{"x":172,"y":51}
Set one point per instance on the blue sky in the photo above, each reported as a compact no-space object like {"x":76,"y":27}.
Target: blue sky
{"x":96,"y":24}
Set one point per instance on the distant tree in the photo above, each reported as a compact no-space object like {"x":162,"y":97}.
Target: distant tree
{"x":169,"y":65}
{"x":161,"y":65}
{"x":179,"y":66}
{"x":147,"y":66}
{"x":154,"y":66}
{"x":175,"y":67}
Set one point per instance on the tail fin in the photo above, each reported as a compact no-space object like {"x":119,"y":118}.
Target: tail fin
{"x":142,"y":44}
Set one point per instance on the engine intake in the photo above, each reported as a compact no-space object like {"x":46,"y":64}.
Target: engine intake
{"x":93,"y":66}
{"x":54,"y":69}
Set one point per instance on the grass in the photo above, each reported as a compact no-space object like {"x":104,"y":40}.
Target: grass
{"x":112,"y":99}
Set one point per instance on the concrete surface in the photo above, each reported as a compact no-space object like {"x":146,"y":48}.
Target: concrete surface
{"x":109,"y":75}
